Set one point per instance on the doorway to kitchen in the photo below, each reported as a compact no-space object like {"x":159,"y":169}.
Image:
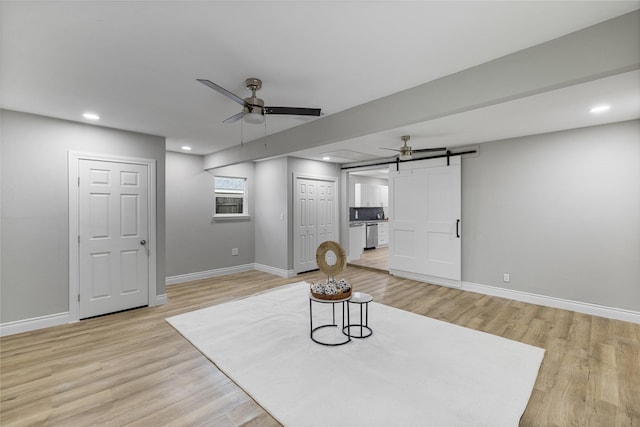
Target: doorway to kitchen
{"x":368,"y":204}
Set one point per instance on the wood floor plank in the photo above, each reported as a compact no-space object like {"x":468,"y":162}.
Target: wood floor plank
{"x":132,"y":368}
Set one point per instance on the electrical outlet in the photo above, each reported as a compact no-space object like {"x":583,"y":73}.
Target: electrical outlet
{"x":506,"y":277}
{"x":234,"y":251}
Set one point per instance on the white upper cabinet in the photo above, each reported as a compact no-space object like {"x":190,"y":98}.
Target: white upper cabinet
{"x":371,"y":195}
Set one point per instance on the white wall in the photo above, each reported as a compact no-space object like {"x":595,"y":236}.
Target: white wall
{"x":560,"y":212}
{"x":35,"y":206}
{"x":195,"y":242}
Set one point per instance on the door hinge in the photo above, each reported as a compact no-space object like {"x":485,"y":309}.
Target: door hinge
{"x":78,"y":297}
{"x":78,"y":181}
{"x":78,"y":239}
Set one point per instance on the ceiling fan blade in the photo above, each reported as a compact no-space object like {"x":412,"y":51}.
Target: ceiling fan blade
{"x":292,"y":111}
{"x":392,"y":149}
{"x":234,"y":118}
{"x":426,"y":150}
{"x":222,"y":90}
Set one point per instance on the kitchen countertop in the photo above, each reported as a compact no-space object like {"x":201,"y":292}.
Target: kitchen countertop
{"x":363,"y":222}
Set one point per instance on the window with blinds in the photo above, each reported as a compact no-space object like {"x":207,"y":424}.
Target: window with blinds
{"x":230,"y":196}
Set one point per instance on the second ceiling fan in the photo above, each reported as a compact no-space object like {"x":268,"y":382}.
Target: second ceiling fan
{"x":406,"y":152}
{"x":253,"y":108}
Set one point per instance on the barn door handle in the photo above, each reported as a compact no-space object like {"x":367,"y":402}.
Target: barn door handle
{"x":143,"y":242}
{"x":458,"y":228}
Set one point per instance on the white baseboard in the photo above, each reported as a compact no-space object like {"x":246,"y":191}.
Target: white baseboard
{"x":26,"y":325}
{"x":547,"y":301}
{"x":190,"y":277}
{"x":275,"y":271}
{"x":426,"y":278}
{"x":160,"y":300}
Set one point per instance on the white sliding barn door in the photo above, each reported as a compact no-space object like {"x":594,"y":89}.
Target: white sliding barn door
{"x":314,"y":219}
{"x":113,"y":236}
{"x":424,"y":226}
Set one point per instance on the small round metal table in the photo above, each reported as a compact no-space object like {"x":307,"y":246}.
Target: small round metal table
{"x":345,"y":324}
{"x":363,"y":327}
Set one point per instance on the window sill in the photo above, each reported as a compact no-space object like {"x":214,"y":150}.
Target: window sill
{"x":231,"y":217}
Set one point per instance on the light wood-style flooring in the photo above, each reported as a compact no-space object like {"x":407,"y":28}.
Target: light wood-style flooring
{"x":133,"y":368}
{"x":374,"y":259}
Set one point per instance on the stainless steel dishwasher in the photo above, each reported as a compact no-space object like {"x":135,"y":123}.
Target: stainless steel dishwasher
{"x":372,"y":235}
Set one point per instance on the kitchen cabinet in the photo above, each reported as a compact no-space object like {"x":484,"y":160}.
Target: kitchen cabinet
{"x":384,"y":196}
{"x":370,"y":195}
{"x":383,"y":233}
{"x":356,"y":241}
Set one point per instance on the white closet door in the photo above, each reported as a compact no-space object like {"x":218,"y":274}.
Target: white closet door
{"x":425,"y":209}
{"x":304,"y":247}
{"x":314,"y":219}
{"x":326,"y":211}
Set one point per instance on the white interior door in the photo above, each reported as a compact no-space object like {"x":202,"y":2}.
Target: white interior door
{"x":326,"y":211}
{"x":424,"y":229}
{"x":113,"y":236}
{"x":306,"y":229}
{"x":315,"y":219}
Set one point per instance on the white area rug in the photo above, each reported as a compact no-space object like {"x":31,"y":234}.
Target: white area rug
{"x":413,"y":370}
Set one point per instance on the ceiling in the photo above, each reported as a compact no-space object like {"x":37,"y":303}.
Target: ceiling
{"x":136,"y":64}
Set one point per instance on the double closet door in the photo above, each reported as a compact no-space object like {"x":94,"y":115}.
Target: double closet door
{"x":315,"y":219}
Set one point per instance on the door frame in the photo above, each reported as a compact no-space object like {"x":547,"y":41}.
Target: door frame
{"x":296,"y":220}
{"x":74,"y":158}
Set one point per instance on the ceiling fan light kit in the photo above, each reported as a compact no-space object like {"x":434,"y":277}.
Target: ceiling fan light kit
{"x":253,"y":117}
{"x":253,"y":108}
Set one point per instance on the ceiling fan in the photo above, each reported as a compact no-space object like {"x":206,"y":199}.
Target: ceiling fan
{"x":253,"y":108}
{"x":406,"y":151}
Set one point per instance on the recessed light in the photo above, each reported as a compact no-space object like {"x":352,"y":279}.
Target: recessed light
{"x":186,"y":148}
{"x":599,"y":109}
{"x":91,"y":116}
{"x":326,"y":158}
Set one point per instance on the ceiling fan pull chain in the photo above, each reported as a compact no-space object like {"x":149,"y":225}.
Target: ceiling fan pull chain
{"x":265,"y":132}
{"x":241,"y":133}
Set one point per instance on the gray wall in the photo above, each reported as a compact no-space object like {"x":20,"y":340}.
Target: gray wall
{"x":195,"y":242}
{"x":560,"y":212}
{"x":198,"y":244}
{"x":35,"y":206}
{"x":272,"y":221}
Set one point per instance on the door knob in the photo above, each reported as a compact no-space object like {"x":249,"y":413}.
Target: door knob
{"x":143,"y":242}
